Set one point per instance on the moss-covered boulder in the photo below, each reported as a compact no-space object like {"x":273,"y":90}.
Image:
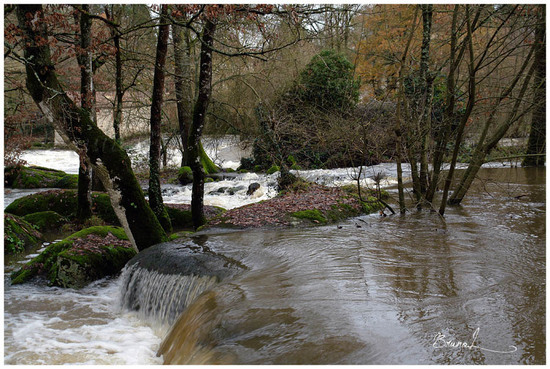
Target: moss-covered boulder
{"x":46,"y":221}
{"x":81,"y":258}
{"x":63,"y":202}
{"x":39,"y":177}
{"x":18,"y":234}
{"x":185,"y":175}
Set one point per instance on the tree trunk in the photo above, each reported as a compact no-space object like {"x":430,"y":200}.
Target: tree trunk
{"x":119,"y":90}
{"x":155,"y":195}
{"x":469,"y":107}
{"x":443,"y":131}
{"x":425,"y":119}
{"x":184,"y":88}
{"x":536,"y":146}
{"x":84,"y":191}
{"x":484,"y":148}
{"x":108,"y":159}
{"x":199,"y":116}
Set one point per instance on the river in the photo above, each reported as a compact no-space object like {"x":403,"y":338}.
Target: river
{"x":369,"y":290}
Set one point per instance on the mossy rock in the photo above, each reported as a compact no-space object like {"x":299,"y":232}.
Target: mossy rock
{"x":83,"y":257}
{"x":63,"y":202}
{"x":18,"y":234}
{"x":39,"y":177}
{"x":273,"y":169}
{"x":185,"y":175}
{"x":342,"y":211}
{"x":313,"y":215}
{"x":180,"y":218}
{"x":372,"y":205}
{"x":46,"y":220}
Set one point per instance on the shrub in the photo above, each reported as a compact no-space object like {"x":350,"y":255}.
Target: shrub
{"x":328,"y":82}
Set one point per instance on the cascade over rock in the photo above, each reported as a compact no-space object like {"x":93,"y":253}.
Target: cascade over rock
{"x":161,"y":281}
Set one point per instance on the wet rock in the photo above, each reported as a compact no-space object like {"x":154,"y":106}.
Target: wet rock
{"x":252,"y":188}
{"x":233,"y":190}
{"x":46,"y":221}
{"x":186,"y":257}
{"x":39,"y":177}
{"x":18,"y":234}
{"x":85,"y":256}
{"x":162,"y":280}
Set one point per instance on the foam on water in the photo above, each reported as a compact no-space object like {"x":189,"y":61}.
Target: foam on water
{"x":49,"y":325}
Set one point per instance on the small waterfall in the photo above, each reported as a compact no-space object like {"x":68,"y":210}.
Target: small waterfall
{"x":160,"y":297}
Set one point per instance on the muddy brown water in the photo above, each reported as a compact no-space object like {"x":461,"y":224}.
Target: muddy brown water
{"x":397,"y":290}
{"x":371,"y":290}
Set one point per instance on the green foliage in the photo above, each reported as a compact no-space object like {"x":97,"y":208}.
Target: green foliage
{"x":273,"y":169}
{"x":328,"y":82}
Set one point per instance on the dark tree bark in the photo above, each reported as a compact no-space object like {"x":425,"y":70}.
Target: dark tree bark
{"x":199,"y":115}
{"x":427,"y":81}
{"x":108,"y":159}
{"x":119,"y":92}
{"x":443,"y":131}
{"x":536,"y":145}
{"x":155,"y":195}
{"x":84,"y":192}
{"x":183,"y":86}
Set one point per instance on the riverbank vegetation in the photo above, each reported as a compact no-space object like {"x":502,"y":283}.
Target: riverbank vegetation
{"x":305,"y":86}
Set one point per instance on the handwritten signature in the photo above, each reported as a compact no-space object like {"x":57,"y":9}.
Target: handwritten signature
{"x":440,"y":341}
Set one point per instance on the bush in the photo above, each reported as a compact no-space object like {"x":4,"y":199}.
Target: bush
{"x":328,"y":82}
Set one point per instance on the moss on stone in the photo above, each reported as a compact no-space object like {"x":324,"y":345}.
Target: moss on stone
{"x":18,"y":234}
{"x":84,"y":256}
{"x":273,"y":169}
{"x":46,"y":220}
{"x":63,"y":202}
{"x":185,"y":175}
{"x":341,"y":211}
{"x":313,"y":215}
{"x":180,"y":218}
{"x":39,"y":177}
{"x":372,"y":205}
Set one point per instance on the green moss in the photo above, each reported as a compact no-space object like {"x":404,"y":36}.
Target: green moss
{"x":313,"y":215}
{"x":100,"y":259}
{"x":185,"y":175}
{"x":101,"y":206}
{"x":257,"y":168}
{"x":273,"y":169}
{"x":208,"y":180}
{"x":68,"y":181}
{"x":63,"y":202}
{"x":372,"y":205}
{"x":39,"y":177}
{"x":18,"y":234}
{"x":342,"y":211}
{"x":180,"y":218}
{"x":46,"y":220}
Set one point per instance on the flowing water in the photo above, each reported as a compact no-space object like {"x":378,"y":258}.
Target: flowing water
{"x":370,"y":290}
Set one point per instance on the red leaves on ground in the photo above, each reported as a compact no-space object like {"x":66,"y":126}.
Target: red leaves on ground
{"x":96,"y":244}
{"x":274,"y":212}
